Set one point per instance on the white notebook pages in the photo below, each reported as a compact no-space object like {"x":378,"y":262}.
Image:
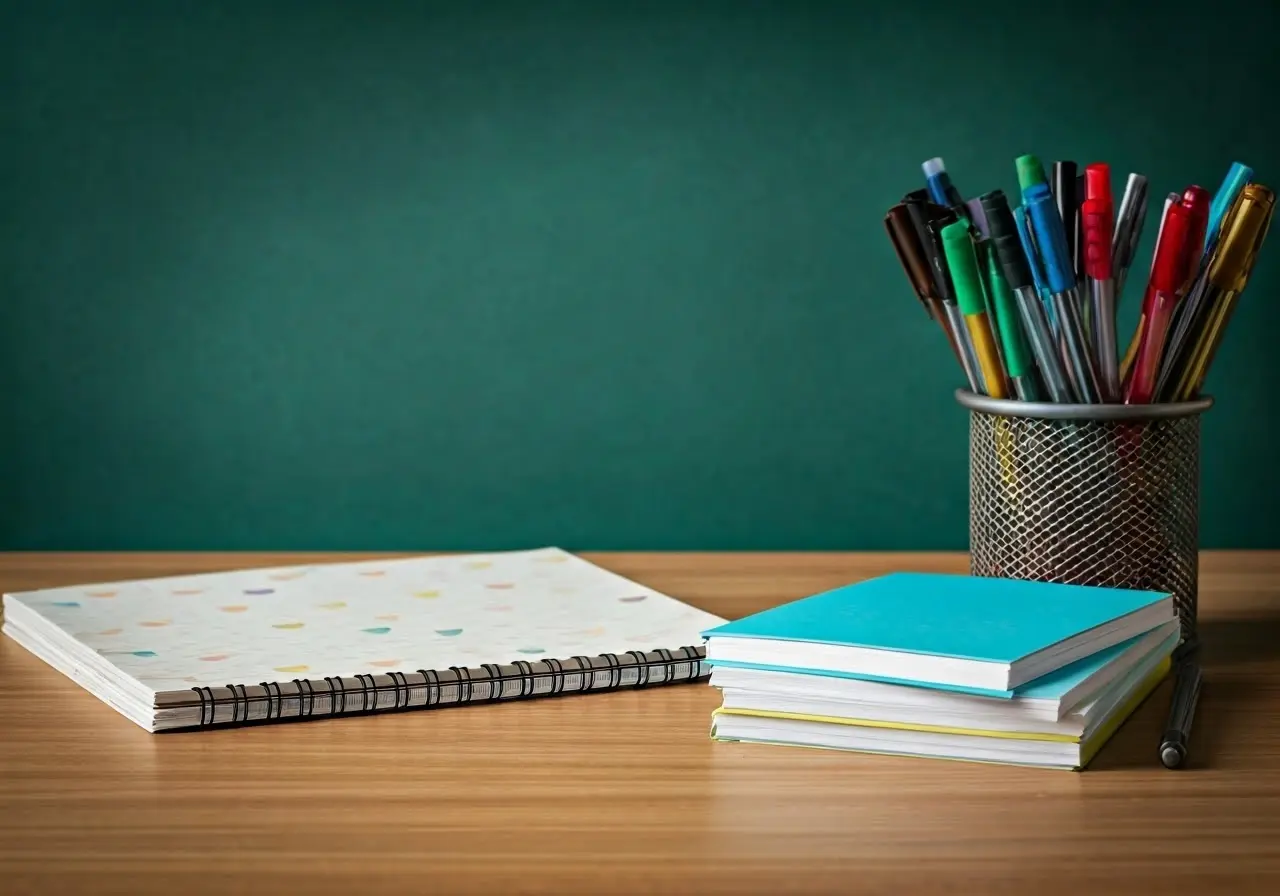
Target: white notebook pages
{"x":342,"y":638}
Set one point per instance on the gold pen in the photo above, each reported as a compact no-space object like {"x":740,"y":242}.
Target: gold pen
{"x":1240,"y":239}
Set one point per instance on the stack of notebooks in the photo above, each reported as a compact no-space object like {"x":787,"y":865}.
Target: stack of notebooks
{"x":942,"y":666}
{"x":341,"y":639}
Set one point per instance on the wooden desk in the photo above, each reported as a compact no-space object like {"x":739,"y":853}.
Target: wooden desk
{"x":624,"y":792}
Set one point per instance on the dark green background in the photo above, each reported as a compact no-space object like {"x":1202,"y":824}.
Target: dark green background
{"x":606,"y":275}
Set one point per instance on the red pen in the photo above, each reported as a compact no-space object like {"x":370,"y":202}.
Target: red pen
{"x":1176,"y":259}
{"x":1097,"y":226}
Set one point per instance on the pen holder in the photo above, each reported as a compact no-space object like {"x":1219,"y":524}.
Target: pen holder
{"x":1105,"y":495}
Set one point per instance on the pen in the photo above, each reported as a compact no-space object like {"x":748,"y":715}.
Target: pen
{"x":977,"y":217}
{"x":911,"y":254}
{"x":1177,"y":254}
{"x":1052,"y":243}
{"x":1182,"y":710}
{"x":982,"y":251}
{"x":1017,"y":353}
{"x":1019,"y":274}
{"x":1131,"y":353}
{"x":1236,"y":250}
{"x":929,"y":220}
{"x":962,"y":259}
{"x":1095,"y":224}
{"x":1130,"y":217}
{"x":1030,"y":172}
{"x":1063,"y":187}
{"x":1079,"y":258}
{"x":1028,"y":241}
{"x":941,"y":190}
{"x":1237,"y":176}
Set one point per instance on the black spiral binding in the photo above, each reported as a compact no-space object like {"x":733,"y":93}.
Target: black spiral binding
{"x":642,"y":669}
{"x":311,"y":698}
{"x":495,"y":679}
{"x":695,"y":661}
{"x":615,"y":671}
{"x":206,"y":700}
{"x":557,"y":676}
{"x":585,"y":668}
{"x":586,"y":672}
{"x":367,"y":688}
{"x":399,"y":684}
{"x":524,"y":672}
{"x":274,"y":697}
{"x":334,"y":693}
{"x":239,"y":712}
{"x":432,"y":680}
{"x":669,"y":664}
{"x":463,"y":675}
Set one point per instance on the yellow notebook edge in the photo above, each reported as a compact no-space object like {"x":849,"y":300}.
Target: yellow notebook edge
{"x":900,"y":726}
{"x":1088,"y":747}
{"x":1096,"y":741}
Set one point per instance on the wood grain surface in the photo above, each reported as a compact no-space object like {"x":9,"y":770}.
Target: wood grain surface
{"x":624,"y":792}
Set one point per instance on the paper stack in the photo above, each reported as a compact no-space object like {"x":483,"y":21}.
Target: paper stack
{"x":944,"y":666}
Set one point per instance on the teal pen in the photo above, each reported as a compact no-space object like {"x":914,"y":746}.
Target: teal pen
{"x":1237,"y":176}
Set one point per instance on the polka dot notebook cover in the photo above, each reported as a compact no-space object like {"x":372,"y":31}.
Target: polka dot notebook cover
{"x":341,"y":638}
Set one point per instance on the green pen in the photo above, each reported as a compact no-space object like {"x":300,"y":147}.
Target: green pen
{"x":982,"y":249}
{"x":966,"y":277}
{"x":1030,"y":172}
{"x":1017,"y":352}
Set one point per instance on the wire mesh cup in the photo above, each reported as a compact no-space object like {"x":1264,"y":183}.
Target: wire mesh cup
{"x":1104,"y":495}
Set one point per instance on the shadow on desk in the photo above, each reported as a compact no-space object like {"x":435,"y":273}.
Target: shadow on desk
{"x":1234,"y":714}
{"x":1231,"y":642}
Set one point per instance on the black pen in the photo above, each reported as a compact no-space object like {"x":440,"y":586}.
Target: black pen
{"x":1182,"y":708}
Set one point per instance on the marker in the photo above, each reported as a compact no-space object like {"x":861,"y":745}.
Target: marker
{"x":1095,"y":223}
{"x":1175,"y":262}
{"x":941,"y":190}
{"x":1237,"y":176}
{"x":962,"y":259}
{"x":1052,"y":242}
{"x":1236,"y":251}
{"x":1008,"y":245}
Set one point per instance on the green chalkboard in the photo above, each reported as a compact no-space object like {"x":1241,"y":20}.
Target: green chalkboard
{"x":604,"y":275}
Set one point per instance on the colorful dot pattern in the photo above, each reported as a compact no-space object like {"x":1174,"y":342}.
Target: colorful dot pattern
{"x":253,"y":626}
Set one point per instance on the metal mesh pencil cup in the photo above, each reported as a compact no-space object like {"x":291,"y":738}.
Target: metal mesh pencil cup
{"x":1103,"y":495}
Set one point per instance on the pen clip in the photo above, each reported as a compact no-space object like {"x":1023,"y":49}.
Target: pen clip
{"x":1029,"y":248}
{"x":1051,"y":239}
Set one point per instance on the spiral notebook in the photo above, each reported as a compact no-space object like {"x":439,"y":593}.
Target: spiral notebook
{"x":310,"y":642}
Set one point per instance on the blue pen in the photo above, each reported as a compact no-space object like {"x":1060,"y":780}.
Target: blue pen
{"x":1059,"y":270}
{"x":941,"y":190}
{"x":1232,"y":184}
{"x":1028,"y":241}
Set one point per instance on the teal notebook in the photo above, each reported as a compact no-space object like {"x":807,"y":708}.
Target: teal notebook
{"x":980,"y":635}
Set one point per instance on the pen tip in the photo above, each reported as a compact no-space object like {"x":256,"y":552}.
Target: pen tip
{"x":933,"y":166}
